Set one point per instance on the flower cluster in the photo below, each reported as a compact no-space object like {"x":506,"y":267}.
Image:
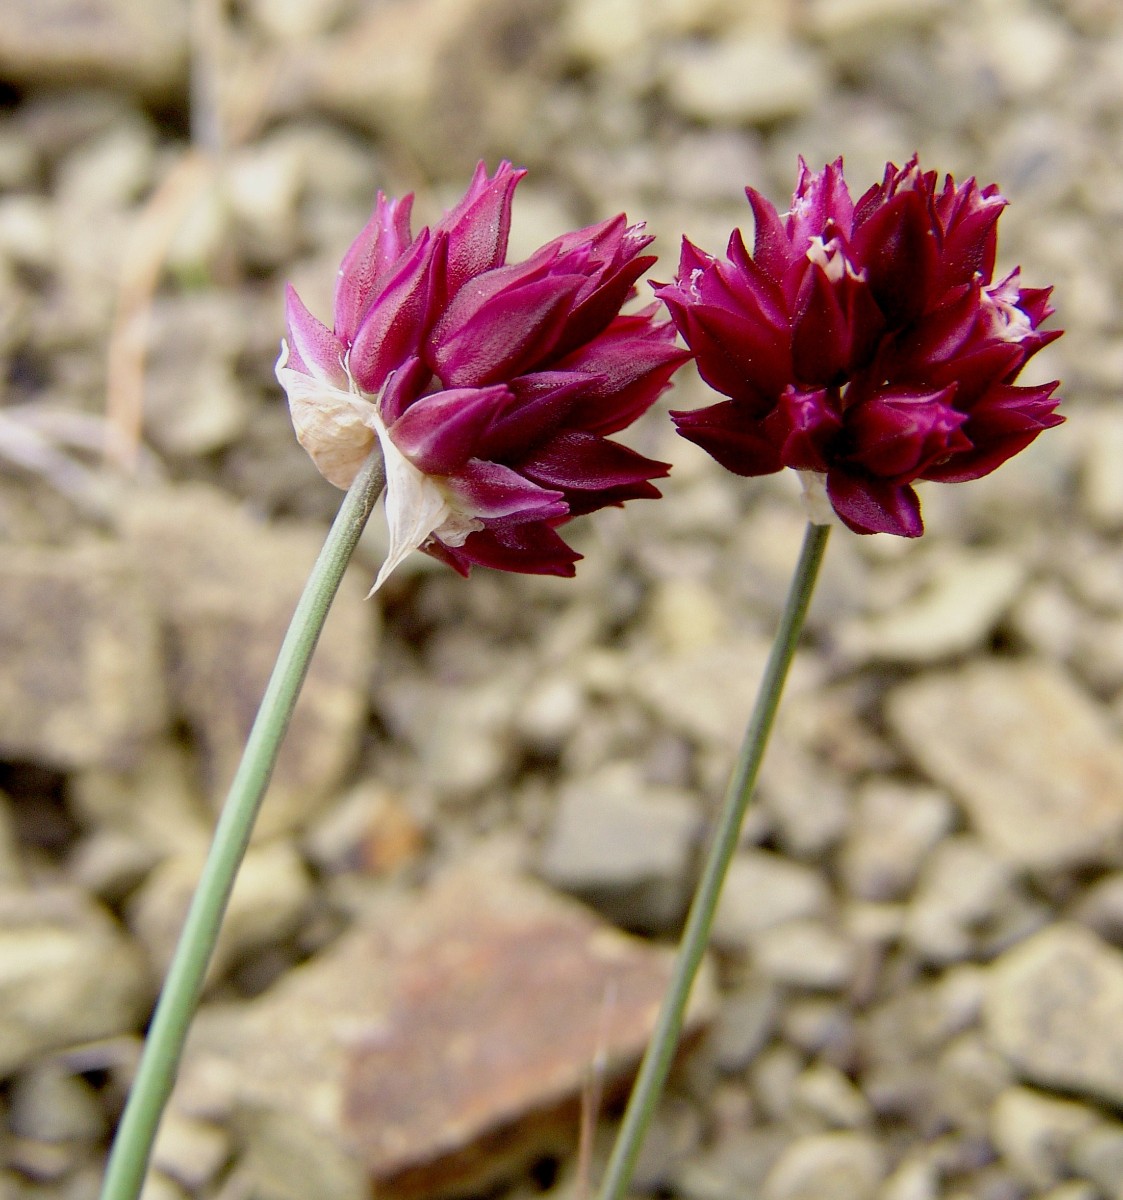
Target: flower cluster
{"x":492,"y":388}
{"x":865,"y":343}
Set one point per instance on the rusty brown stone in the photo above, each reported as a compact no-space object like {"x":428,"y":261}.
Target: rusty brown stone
{"x":445,"y":1044}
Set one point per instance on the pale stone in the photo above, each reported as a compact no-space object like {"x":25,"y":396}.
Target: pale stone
{"x":113,"y":42}
{"x":50,"y":1104}
{"x":271,"y":893}
{"x":843,"y":1166}
{"x":624,"y":846}
{"x":895,"y":826}
{"x":748,"y":78}
{"x":189,"y":1151}
{"x":1053,"y":1008}
{"x":82,"y":681}
{"x":227,"y":586}
{"x":762,"y":890}
{"x":1029,"y":755}
{"x":1034,"y":1133}
{"x":805,"y":954}
{"x":66,"y":975}
{"x":961,"y":890}
{"x":958,"y":609}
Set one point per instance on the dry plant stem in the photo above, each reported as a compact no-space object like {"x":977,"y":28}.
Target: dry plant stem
{"x":664,"y":1040}
{"x":128,"y":1160}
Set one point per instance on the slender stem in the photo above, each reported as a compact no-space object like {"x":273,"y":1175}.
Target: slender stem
{"x":664,"y":1040}
{"x":128,"y":1160}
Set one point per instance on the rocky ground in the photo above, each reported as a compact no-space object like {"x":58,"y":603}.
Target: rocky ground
{"x":479,"y":841}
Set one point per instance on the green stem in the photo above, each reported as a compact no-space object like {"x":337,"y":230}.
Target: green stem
{"x":128,"y":1160}
{"x":664,"y":1040}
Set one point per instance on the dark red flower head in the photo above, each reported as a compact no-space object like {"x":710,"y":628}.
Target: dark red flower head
{"x":866,"y":342}
{"x":492,"y":387}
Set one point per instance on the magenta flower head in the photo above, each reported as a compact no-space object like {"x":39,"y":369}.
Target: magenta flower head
{"x":864,"y":344}
{"x":491,"y":387}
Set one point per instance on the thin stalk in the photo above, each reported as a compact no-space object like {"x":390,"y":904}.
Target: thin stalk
{"x":664,"y":1040}
{"x":159,"y":1063}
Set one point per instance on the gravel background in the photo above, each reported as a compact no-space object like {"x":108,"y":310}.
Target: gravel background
{"x":916,"y":989}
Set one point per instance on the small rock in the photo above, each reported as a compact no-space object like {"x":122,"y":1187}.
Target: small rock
{"x":66,"y":975}
{"x":894,"y":827}
{"x":748,"y":78}
{"x":110,"y":864}
{"x":11,"y":863}
{"x":830,"y":19}
{"x":762,"y":890}
{"x":50,"y":1104}
{"x":825,"y":1095}
{"x":623,"y":846}
{"x":1101,"y":490}
{"x":1074,"y":1189}
{"x":967,"y":595}
{"x":1098,"y":1156}
{"x":1101,"y":908}
{"x":104,"y":41}
{"x":997,"y":734}
{"x":705,"y":692}
{"x":43,"y":1162}
{"x":227,"y":586}
{"x":820,"y":1027}
{"x":960,"y":894}
{"x":735,"y":1165}
{"x":1035,"y":1133}
{"x":1053,"y":1009}
{"x":189,"y":1151}
{"x":970,"y":1075}
{"x":772,"y":1078}
{"x":82,"y":680}
{"x":745,"y":1022}
{"x":371,"y":830}
{"x":843,"y":1166}
{"x":805,"y":954}
{"x":461,"y":732}
{"x":916,"y":1178}
{"x":194,"y":402}
{"x":270,"y":895}
{"x":156,"y":805}
{"x":806,"y":800}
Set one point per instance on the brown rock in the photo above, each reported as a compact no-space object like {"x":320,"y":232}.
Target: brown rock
{"x":442,"y":1045}
{"x":1030,"y":756}
{"x":81,"y":682}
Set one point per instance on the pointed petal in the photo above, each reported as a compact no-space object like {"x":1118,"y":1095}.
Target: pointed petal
{"x":495,"y":493}
{"x":538,"y":405}
{"x":367,"y":263}
{"x":587,"y":462}
{"x":478,"y":225}
{"x":505,"y":335}
{"x":414,"y":505}
{"x":439,"y":433}
{"x":313,"y":348}
{"x":731,"y":437}
{"x":398,"y":319}
{"x":531,"y":549}
{"x":874,"y":506}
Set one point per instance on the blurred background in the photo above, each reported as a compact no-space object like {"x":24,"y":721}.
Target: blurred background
{"x":487,"y":821}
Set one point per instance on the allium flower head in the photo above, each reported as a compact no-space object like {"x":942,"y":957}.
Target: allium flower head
{"x":865,"y":342}
{"x":491,"y":387}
